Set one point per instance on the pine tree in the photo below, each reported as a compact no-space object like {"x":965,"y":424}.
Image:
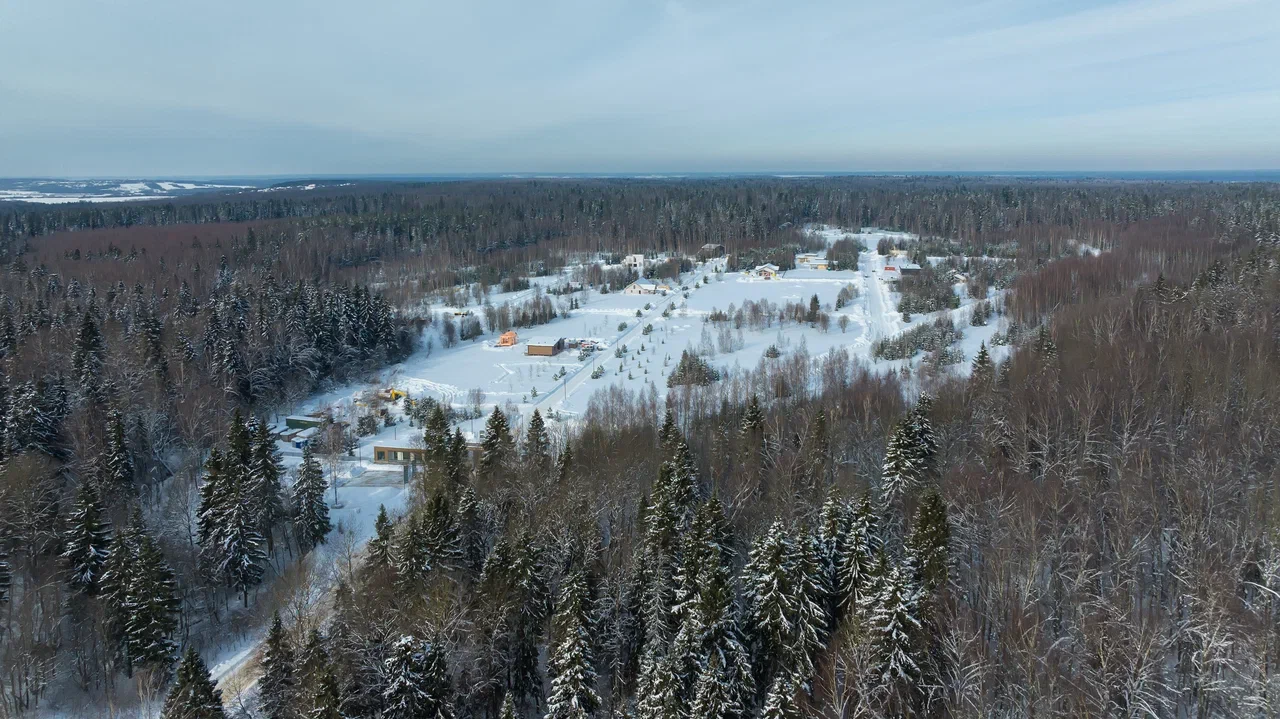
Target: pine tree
{"x":983,"y":368}
{"x":215,"y":495}
{"x":780,"y":702}
{"x":660,"y":687}
{"x":115,"y":464}
{"x":857,"y":562}
{"x":901,"y":470}
{"x":714,"y":696}
{"x":380,"y":545}
{"x":265,"y":471}
{"x":417,"y":682}
{"x":118,"y":572}
{"x":923,"y":439}
{"x":457,"y":465}
{"x":193,"y":695}
{"x":928,"y":545}
{"x":310,"y":512}
{"x":895,"y":627}
{"x":87,"y":358}
{"x":242,"y":553}
{"x":277,"y":687}
{"x":508,"y":708}
{"x":326,"y":702}
{"x":564,"y":464}
{"x":86,"y":541}
{"x":496,"y":445}
{"x":152,"y":607}
{"x":436,"y":439}
{"x":537,"y":447}
{"x":573,"y":679}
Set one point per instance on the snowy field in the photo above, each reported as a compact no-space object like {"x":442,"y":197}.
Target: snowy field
{"x":508,"y":376}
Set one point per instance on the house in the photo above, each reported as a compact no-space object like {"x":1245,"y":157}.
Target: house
{"x":909,"y":269}
{"x":766,"y":272}
{"x":544,"y":346}
{"x":303,"y":421}
{"x":634,"y":262}
{"x":387,"y":454}
{"x":507,"y":339}
{"x":899,"y":253}
{"x":645,"y":287}
{"x":710,"y":250}
{"x":462,"y":313}
{"x":811,"y":261}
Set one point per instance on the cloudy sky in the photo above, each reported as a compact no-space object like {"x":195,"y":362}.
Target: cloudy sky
{"x":127,"y":87}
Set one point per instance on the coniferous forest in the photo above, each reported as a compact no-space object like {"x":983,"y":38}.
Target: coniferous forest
{"x":1088,"y":527}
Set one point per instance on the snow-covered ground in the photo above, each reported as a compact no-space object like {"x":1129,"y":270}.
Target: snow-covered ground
{"x":509,"y":375}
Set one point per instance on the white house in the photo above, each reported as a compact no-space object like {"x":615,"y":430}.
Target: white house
{"x":766,"y":271}
{"x":811,"y":261}
{"x":645,"y":287}
{"x":634,"y":262}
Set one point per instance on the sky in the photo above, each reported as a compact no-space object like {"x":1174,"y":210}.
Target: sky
{"x":120,"y":88}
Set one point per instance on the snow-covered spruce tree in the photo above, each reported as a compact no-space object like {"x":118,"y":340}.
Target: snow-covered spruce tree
{"x":118,"y":571}
{"x":86,"y":541}
{"x":242,"y":552}
{"x":660,"y":692}
{"x":277,"y":688}
{"x":470,"y":533}
{"x":497,"y":446}
{"x":717,"y":639}
{"x":265,"y":471}
{"x":537,"y":446}
{"x":780,"y":701}
{"x":215,"y":496}
{"x":152,"y":607}
{"x":380,"y":544}
{"x":715,"y":695}
{"x":564,"y":464}
{"x":573,"y":678}
{"x":115,"y":464}
{"x":326,"y":701}
{"x":508,"y":710}
{"x":86,"y":358}
{"x":901,"y":470}
{"x":928,"y":546}
{"x":983,"y":369}
{"x":310,"y":512}
{"x":858,"y":561}
{"x":923,"y":438}
{"x":458,"y":465}
{"x":193,"y":695}
{"x":436,"y":439}
{"x":417,"y":681}
{"x":834,"y":522}
{"x":895,"y":628}
{"x":770,"y":605}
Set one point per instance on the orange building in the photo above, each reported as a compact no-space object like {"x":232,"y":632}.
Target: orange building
{"x":507,"y":339}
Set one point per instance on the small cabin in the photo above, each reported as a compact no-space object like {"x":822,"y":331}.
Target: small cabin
{"x":507,"y":339}
{"x":711,"y":250}
{"x":544,"y":346}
